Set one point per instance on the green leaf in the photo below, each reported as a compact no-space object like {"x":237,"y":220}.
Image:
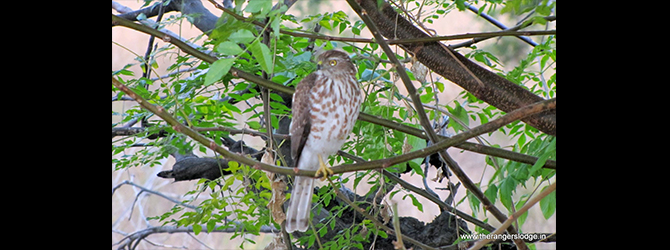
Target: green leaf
{"x":242,"y":36}
{"x":491,"y":192}
{"x":460,"y":4}
{"x":211,"y":225}
{"x":310,"y":241}
{"x":255,"y":6}
{"x":382,"y":234}
{"x":254,"y":125}
{"x":415,"y":166}
{"x":196,"y":229}
{"x":549,"y":151}
{"x":548,"y":204}
{"x":440,"y":86}
{"x":474,"y":202}
{"x":218,"y":69}
{"x":522,"y":217}
{"x":506,"y":188}
{"x":263,"y":55}
{"x":416,"y":143}
{"x":461,"y":114}
{"x":416,"y":203}
{"x":326,"y":24}
{"x":275,"y":24}
{"x":229,"y":48}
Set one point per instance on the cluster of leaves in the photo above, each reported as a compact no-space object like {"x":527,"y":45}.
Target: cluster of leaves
{"x":245,"y":204}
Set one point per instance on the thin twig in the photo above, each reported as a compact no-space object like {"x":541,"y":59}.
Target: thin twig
{"x":126,"y":182}
{"x":396,"y":225}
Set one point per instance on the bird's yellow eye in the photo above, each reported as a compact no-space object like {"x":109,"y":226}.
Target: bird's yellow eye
{"x":332,"y":62}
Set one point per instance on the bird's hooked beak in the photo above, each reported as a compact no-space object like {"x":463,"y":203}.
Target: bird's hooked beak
{"x":318,"y":65}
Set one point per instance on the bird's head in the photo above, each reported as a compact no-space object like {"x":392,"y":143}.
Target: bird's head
{"x":335,"y":61}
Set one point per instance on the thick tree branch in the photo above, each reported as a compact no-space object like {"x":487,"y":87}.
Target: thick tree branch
{"x":147,"y":12}
{"x":469,"y":146}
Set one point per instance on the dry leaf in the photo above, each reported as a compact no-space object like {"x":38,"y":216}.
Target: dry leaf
{"x":388,"y":146}
{"x":276,"y":243}
{"x":386,"y":213}
{"x":406,"y":147}
{"x":438,"y":175}
{"x":410,"y":109}
{"x":419,"y":70}
{"x":278,"y":187}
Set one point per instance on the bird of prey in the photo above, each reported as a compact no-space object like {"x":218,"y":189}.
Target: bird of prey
{"x":325,"y":107}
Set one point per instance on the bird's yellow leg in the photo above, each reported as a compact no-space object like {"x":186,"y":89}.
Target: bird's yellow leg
{"x":323,"y":169}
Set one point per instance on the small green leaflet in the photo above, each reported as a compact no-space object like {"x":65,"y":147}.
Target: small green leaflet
{"x":242,"y":36}
{"x":196,"y":229}
{"x":229,"y":48}
{"x":415,"y":202}
{"x":549,"y":151}
{"x":548,"y":204}
{"x":416,"y":143}
{"x":461,"y":114}
{"x":263,"y":55}
{"x":262,"y":6}
{"x":218,"y":69}
{"x":506,"y":188}
{"x":211,"y":225}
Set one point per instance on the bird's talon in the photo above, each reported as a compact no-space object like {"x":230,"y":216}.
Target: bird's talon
{"x":323,"y":170}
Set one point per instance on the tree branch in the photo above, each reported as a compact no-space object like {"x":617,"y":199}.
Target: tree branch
{"x":150,"y":11}
{"x":133,"y":239}
{"x":126,"y":182}
{"x":469,"y":146}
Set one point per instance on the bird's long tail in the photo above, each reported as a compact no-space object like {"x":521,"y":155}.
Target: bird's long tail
{"x":297,"y":215}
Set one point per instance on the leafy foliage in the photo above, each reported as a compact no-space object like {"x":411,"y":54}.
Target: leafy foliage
{"x":207,"y":95}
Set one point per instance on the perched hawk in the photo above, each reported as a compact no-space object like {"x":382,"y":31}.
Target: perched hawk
{"x":325,"y":107}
